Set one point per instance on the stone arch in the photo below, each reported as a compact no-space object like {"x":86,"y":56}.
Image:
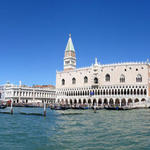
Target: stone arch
{"x":75,"y":101}
{"x":80,"y":101}
{"x":131,"y":91}
{"x":83,"y":93}
{"x":84,"y":101}
{"x":106,"y":92}
{"x":62,"y":101}
{"x":88,"y":92}
{"x":136,"y":100}
{"x":85,"y":79}
{"x":73,"y":80}
{"x":76,"y":93}
{"x":130,"y":101}
{"x":145,"y":92}
{"x":105,"y":101}
{"x":143,"y":100}
{"x":107,"y":77}
{"x":66,"y":101}
{"x":142,"y":92}
{"x":109,"y":91}
{"x":125,"y":91}
{"x":89,"y":101}
{"x":117,"y":102}
{"x":122,"y":78}
{"x":71,"y":101}
{"x":96,"y":80}
{"x":99,"y":102}
{"x":95,"y":92}
{"x":134,"y":91}
{"x":115,"y":91}
{"x":128,"y":92}
{"x":103,"y":92}
{"x":118,"y":91}
{"x":111,"y":102}
{"x":138,"y":91}
{"x":94,"y":102}
{"x":112,"y":91}
{"x":139,"y":78}
{"x":121,"y":91}
{"x":123,"y":102}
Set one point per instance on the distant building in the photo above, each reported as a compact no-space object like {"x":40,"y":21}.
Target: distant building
{"x":26,"y":94}
{"x":120,"y":84}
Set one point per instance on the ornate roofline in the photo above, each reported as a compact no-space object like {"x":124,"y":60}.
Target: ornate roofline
{"x":106,"y":65}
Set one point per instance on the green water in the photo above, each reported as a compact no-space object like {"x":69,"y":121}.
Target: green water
{"x":104,"y":130}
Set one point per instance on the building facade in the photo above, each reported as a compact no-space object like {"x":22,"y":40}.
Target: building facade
{"x":25,"y":94}
{"x":119,"y":84}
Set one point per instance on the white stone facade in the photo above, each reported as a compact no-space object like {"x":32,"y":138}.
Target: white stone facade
{"x":25,"y":94}
{"x":120,"y":84}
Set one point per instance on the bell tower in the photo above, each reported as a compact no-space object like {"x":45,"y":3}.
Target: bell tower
{"x":70,"y":56}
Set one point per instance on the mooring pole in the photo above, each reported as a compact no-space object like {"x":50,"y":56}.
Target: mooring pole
{"x":94,"y":108}
{"x":11,"y":108}
{"x":44,"y":108}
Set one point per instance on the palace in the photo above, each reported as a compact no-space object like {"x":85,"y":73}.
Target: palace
{"x":120,"y":84}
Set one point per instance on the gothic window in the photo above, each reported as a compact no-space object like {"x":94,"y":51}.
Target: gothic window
{"x":95,"y":80}
{"x":63,"y":82}
{"x":139,"y":78}
{"x":85,"y":79}
{"x":122,"y":78}
{"x":145,"y":92}
{"x":73,"y":81}
{"x":107,"y":78}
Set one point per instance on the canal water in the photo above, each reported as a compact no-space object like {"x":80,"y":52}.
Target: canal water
{"x":84,"y":130}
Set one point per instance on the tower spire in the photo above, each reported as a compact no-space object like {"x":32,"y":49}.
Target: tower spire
{"x":70,"y":46}
{"x":70,"y":57}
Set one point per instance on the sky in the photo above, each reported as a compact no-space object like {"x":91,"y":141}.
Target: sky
{"x":34,"y":34}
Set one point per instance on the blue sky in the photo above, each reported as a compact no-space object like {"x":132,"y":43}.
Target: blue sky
{"x":34,"y":34}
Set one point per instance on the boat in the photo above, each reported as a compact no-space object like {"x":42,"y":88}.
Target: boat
{"x":117,"y":108}
{"x":3,"y":106}
{"x":59,"y":108}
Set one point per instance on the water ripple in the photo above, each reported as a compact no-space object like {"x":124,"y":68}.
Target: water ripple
{"x":104,"y":130}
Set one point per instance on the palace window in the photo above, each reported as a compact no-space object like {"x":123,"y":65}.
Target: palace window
{"x":122,"y":78}
{"x":95,"y":80}
{"x":139,"y":78}
{"x":85,"y":79}
{"x":107,"y":78}
{"x":63,"y":82}
{"x":73,"y":81}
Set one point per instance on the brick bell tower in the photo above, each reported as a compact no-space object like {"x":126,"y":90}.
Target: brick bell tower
{"x":70,"y":56}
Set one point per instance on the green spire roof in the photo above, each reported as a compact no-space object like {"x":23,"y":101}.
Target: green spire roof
{"x":70,"y":46}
